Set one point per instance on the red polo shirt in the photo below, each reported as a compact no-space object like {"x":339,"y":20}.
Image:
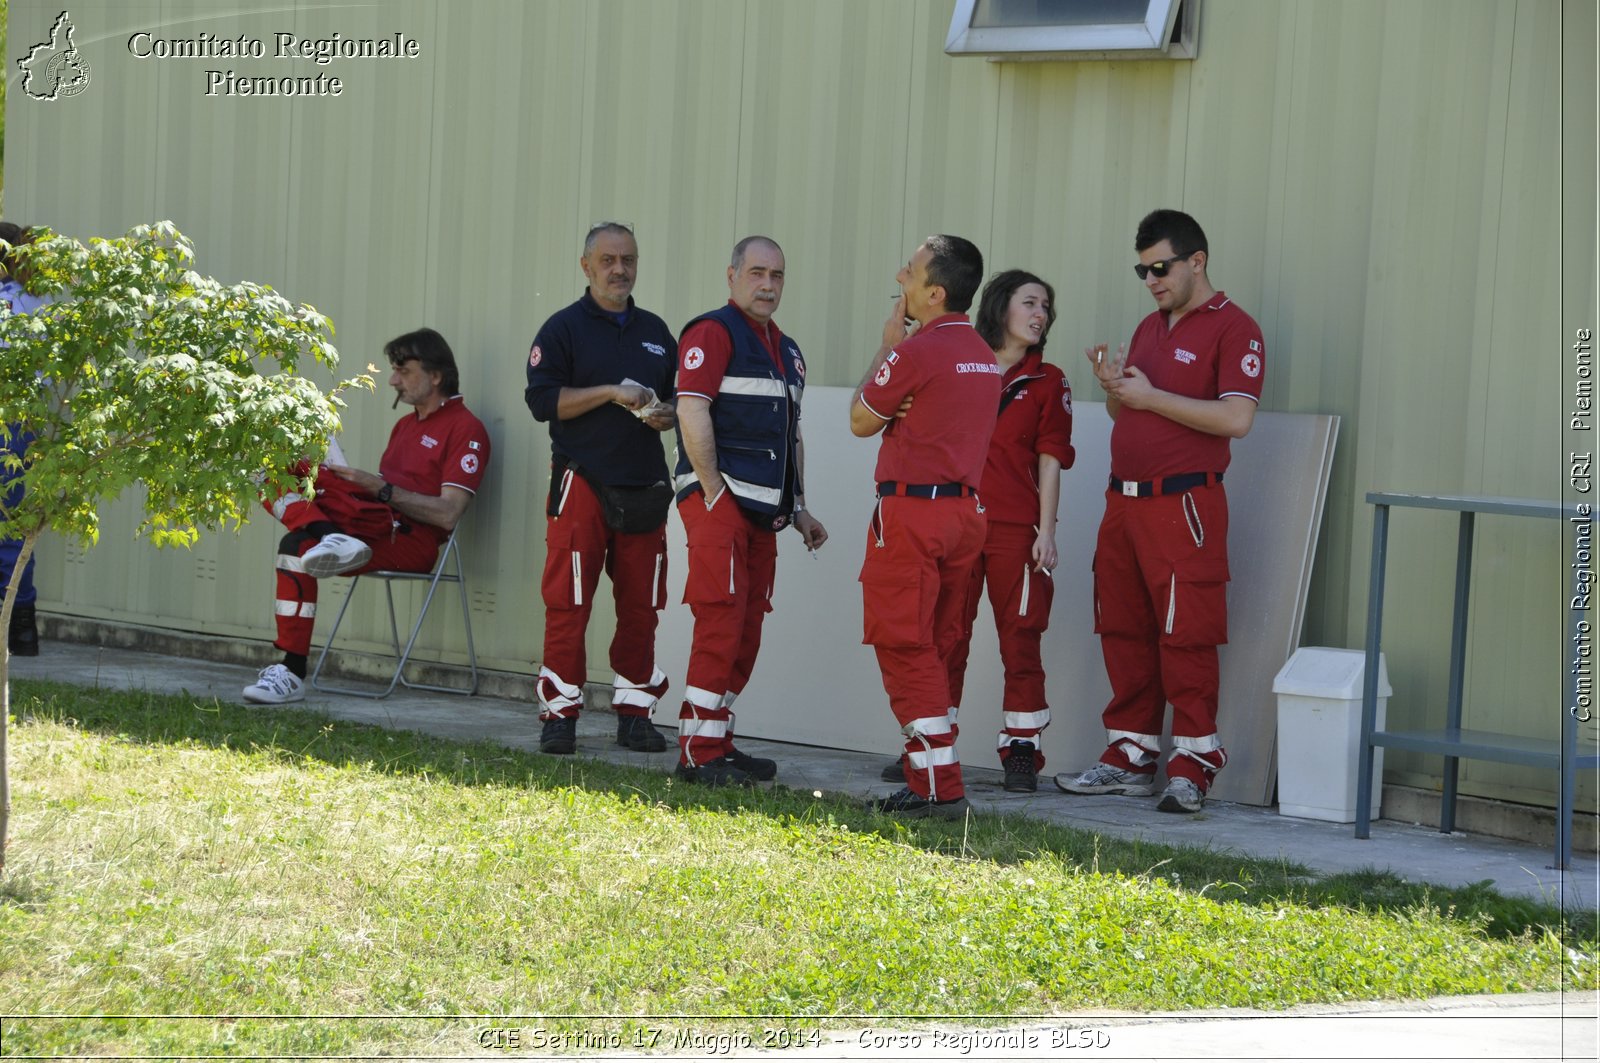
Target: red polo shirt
{"x":1037,"y":420}
{"x":955,"y":382}
{"x":1216,"y":350}
{"x":449,"y":446}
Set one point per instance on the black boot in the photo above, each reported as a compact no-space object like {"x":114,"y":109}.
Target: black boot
{"x":1022,"y":776}
{"x":559,"y":735}
{"x":24,"y":636}
{"x":639,"y":734}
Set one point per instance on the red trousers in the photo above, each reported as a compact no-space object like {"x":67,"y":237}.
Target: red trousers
{"x":578,"y":546}
{"x":1161,"y":610}
{"x":920,"y":555}
{"x":340,"y":503}
{"x":1021,"y":599}
{"x":732,"y":565}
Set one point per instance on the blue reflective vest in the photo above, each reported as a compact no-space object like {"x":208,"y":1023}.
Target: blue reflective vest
{"x":755,"y":419}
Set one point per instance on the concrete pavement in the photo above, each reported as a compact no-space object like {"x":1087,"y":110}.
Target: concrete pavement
{"x":1418,"y":853}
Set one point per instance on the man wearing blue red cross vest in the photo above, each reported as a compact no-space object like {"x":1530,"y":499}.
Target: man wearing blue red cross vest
{"x":740,"y":480}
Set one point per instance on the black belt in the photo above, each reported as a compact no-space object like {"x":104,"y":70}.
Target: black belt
{"x":1171,"y":485}
{"x":895,"y":489}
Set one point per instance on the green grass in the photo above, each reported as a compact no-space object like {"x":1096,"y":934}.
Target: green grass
{"x":177,"y":857}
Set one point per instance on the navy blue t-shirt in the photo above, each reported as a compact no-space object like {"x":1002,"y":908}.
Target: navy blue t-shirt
{"x":582,"y":346}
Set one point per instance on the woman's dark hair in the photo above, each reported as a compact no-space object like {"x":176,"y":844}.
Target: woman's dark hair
{"x":996,"y":300}
{"x":429,"y":348}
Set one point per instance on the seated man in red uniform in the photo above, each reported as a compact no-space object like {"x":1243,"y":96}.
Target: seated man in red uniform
{"x":933,"y":392}
{"x":395,"y":519}
{"x":1189,"y":382}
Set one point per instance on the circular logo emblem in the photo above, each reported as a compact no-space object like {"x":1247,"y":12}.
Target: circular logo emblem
{"x":469,"y":463}
{"x":67,"y":74}
{"x":883,"y":376}
{"x":1251,"y":364}
{"x":799,"y":363}
{"x":535,"y":356}
{"x":1066,"y":401}
{"x":693,"y":358}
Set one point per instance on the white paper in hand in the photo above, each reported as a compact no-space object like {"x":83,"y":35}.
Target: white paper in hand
{"x":655,"y":405}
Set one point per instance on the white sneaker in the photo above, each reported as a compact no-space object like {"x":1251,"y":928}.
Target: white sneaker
{"x":276,"y":685}
{"x":1181,"y":795}
{"x":335,"y":555}
{"x":1105,"y":779}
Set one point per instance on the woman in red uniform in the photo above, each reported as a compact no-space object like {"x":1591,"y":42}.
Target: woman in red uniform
{"x":1032,"y":443}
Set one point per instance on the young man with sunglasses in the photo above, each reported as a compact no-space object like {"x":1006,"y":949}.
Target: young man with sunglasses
{"x":1188,"y":383}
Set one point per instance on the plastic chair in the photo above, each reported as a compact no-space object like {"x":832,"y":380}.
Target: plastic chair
{"x":449,"y":569}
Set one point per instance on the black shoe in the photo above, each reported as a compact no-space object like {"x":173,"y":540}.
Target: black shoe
{"x":908,"y":804}
{"x":639,"y":734}
{"x":895,"y":772}
{"x":715,"y":773}
{"x":24,"y":636}
{"x":759,"y":768}
{"x":560,"y":735}
{"x":1021,"y":778}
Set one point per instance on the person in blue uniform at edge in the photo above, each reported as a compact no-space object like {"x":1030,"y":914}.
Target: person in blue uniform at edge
{"x":23,"y":638}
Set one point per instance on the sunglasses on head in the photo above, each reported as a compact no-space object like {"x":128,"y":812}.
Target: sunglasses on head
{"x":1160,"y":267}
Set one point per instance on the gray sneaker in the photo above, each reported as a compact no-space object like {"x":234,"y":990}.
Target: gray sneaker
{"x":1181,"y":795}
{"x":276,"y":685}
{"x":334,"y":555}
{"x":1105,"y":779}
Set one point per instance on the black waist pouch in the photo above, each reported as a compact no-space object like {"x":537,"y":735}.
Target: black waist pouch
{"x":631,"y":510}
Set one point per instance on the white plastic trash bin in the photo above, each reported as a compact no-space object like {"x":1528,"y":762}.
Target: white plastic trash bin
{"x":1319,"y":733}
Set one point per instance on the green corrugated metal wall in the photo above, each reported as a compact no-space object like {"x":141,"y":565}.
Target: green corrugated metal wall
{"x":1403,"y":193}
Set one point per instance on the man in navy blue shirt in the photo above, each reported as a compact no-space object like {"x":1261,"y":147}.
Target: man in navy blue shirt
{"x":600,"y":373}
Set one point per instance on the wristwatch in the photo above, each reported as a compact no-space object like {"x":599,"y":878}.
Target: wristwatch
{"x":385,"y":493}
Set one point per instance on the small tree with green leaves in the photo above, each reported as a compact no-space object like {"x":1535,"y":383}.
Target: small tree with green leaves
{"x":140,"y":373}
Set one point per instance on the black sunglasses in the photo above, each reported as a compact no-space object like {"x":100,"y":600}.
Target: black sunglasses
{"x":1160,"y":267}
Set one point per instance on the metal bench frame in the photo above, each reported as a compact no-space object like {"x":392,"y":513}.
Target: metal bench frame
{"x":1568,"y":755}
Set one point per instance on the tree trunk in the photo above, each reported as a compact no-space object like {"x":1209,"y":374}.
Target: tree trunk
{"x":5,"y":690}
